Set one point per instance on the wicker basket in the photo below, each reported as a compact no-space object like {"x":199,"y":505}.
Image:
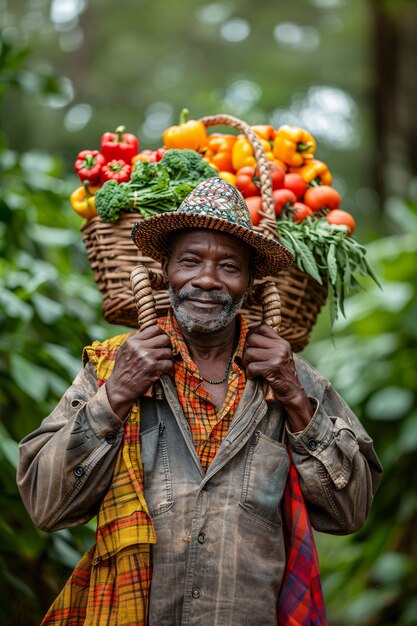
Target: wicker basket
{"x":113,"y":255}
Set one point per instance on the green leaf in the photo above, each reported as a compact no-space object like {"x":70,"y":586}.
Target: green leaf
{"x":390,"y":403}
{"x":64,"y":357}
{"x":13,"y":306}
{"x":49,"y":236}
{"x":31,"y":378}
{"x":332,"y":263}
{"x":309,"y":262}
{"x":333,"y":305}
{"x":49,"y":311}
{"x":9,"y":450}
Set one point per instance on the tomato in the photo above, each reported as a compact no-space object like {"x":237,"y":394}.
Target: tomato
{"x":282,"y":198}
{"x":245,"y":182}
{"x":301,"y":211}
{"x":254,"y":204}
{"x":340,"y":217}
{"x":228,"y":177}
{"x":277,"y":175}
{"x":145,"y":155}
{"x":296,"y":183}
{"x":322,"y":197}
{"x":159,"y":153}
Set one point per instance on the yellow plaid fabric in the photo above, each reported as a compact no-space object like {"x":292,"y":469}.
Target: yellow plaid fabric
{"x":110,"y":585}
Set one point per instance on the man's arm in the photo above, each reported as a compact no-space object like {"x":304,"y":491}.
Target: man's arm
{"x":66,"y":465}
{"x":334,"y":456}
{"x":338,"y":468}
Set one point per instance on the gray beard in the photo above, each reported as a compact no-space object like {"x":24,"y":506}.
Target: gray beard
{"x":203,"y":323}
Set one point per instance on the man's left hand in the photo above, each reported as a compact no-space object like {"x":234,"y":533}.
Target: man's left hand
{"x":270,"y":356}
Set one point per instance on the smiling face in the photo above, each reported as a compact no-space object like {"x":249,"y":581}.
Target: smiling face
{"x":208,"y":274}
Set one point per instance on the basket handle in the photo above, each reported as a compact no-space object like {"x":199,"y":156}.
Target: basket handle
{"x":142,"y":281}
{"x":267,"y":224}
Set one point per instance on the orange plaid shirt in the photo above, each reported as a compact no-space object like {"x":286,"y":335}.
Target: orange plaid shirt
{"x":209,"y":425}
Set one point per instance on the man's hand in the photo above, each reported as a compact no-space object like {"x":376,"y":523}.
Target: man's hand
{"x":141,"y":360}
{"x":270,"y":356}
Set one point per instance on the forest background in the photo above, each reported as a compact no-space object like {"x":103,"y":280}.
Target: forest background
{"x":345,"y":70}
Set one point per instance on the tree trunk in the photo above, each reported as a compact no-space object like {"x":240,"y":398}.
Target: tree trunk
{"x":395,"y":94}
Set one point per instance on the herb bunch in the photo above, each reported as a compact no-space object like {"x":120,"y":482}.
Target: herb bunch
{"x":326,"y":252}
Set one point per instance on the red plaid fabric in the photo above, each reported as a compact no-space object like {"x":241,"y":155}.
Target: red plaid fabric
{"x":301,"y":600}
{"x":208,"y":424}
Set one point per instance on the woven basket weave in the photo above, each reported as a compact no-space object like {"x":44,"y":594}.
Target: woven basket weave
{"x":113,"y":255}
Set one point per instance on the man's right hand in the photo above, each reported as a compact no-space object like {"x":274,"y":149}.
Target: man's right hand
{"x":140,"y":361}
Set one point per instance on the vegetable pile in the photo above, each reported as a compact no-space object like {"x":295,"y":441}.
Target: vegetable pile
{"x":153,"y":187}
{"x":119,"y":179}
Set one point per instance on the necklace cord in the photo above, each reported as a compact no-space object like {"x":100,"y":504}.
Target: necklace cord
{"x":218,"y":382}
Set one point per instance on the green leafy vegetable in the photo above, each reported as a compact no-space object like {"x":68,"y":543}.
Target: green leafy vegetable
{"x":326,"y":252}
{"x":186,"y":165}
{"x":154,"y":187}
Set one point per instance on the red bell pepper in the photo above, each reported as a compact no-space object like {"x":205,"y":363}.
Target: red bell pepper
{"x":119,"y":145}
{"x":116,"y":170}
{"x":88,"y":166}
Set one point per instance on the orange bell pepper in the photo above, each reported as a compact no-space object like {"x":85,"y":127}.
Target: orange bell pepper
{"x":82,"y":201}
{"x":313,"y":170}
{"x":264,"y":132}
{"x":191,"y":135}
{"x":219,"y":151}
{"x":242,"y":153}
{"x":294,"y":145}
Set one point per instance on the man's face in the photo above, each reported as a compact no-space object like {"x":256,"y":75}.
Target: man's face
{"x":208,"y":275}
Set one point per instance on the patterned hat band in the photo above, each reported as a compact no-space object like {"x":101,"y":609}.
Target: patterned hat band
{"x":215,"y":205}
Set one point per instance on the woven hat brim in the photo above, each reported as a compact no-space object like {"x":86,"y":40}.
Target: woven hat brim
{"x":152,"y":237}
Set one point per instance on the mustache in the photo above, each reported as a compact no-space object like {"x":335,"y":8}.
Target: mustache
{"x":189,"y":294}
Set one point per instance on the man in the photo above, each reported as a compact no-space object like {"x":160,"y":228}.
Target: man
{"x":189,"y":489}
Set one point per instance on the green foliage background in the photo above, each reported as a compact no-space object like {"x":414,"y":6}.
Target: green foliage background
{"x":66,"y":77}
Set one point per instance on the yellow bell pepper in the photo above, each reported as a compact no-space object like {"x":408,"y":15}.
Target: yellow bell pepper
{"x":242,"y":152}
{"x":191,"y":135}
{"x":82,"y":201}
{"x":228,"y":177}
{"x":313,"y":170}
{"x":294,"y":145}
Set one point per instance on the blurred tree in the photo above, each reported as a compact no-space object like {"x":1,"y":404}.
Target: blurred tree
{"x":395,"y":95}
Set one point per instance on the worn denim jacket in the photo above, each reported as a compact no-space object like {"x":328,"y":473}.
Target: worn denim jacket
{"x":65,"y":466}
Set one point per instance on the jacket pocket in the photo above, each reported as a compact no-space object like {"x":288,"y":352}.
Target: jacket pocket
{"x":264,"y":479}
{"x":155,"y":461}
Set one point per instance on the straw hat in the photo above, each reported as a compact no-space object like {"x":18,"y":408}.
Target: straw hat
{"x":215,"y":205}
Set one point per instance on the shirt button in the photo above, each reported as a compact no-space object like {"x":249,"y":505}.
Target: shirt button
{"x":79,"y":471}
{"x":196,"y":593}
{"x":111,"y":437}
{"x":312,"y":444}
{"x":201,"y":537}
